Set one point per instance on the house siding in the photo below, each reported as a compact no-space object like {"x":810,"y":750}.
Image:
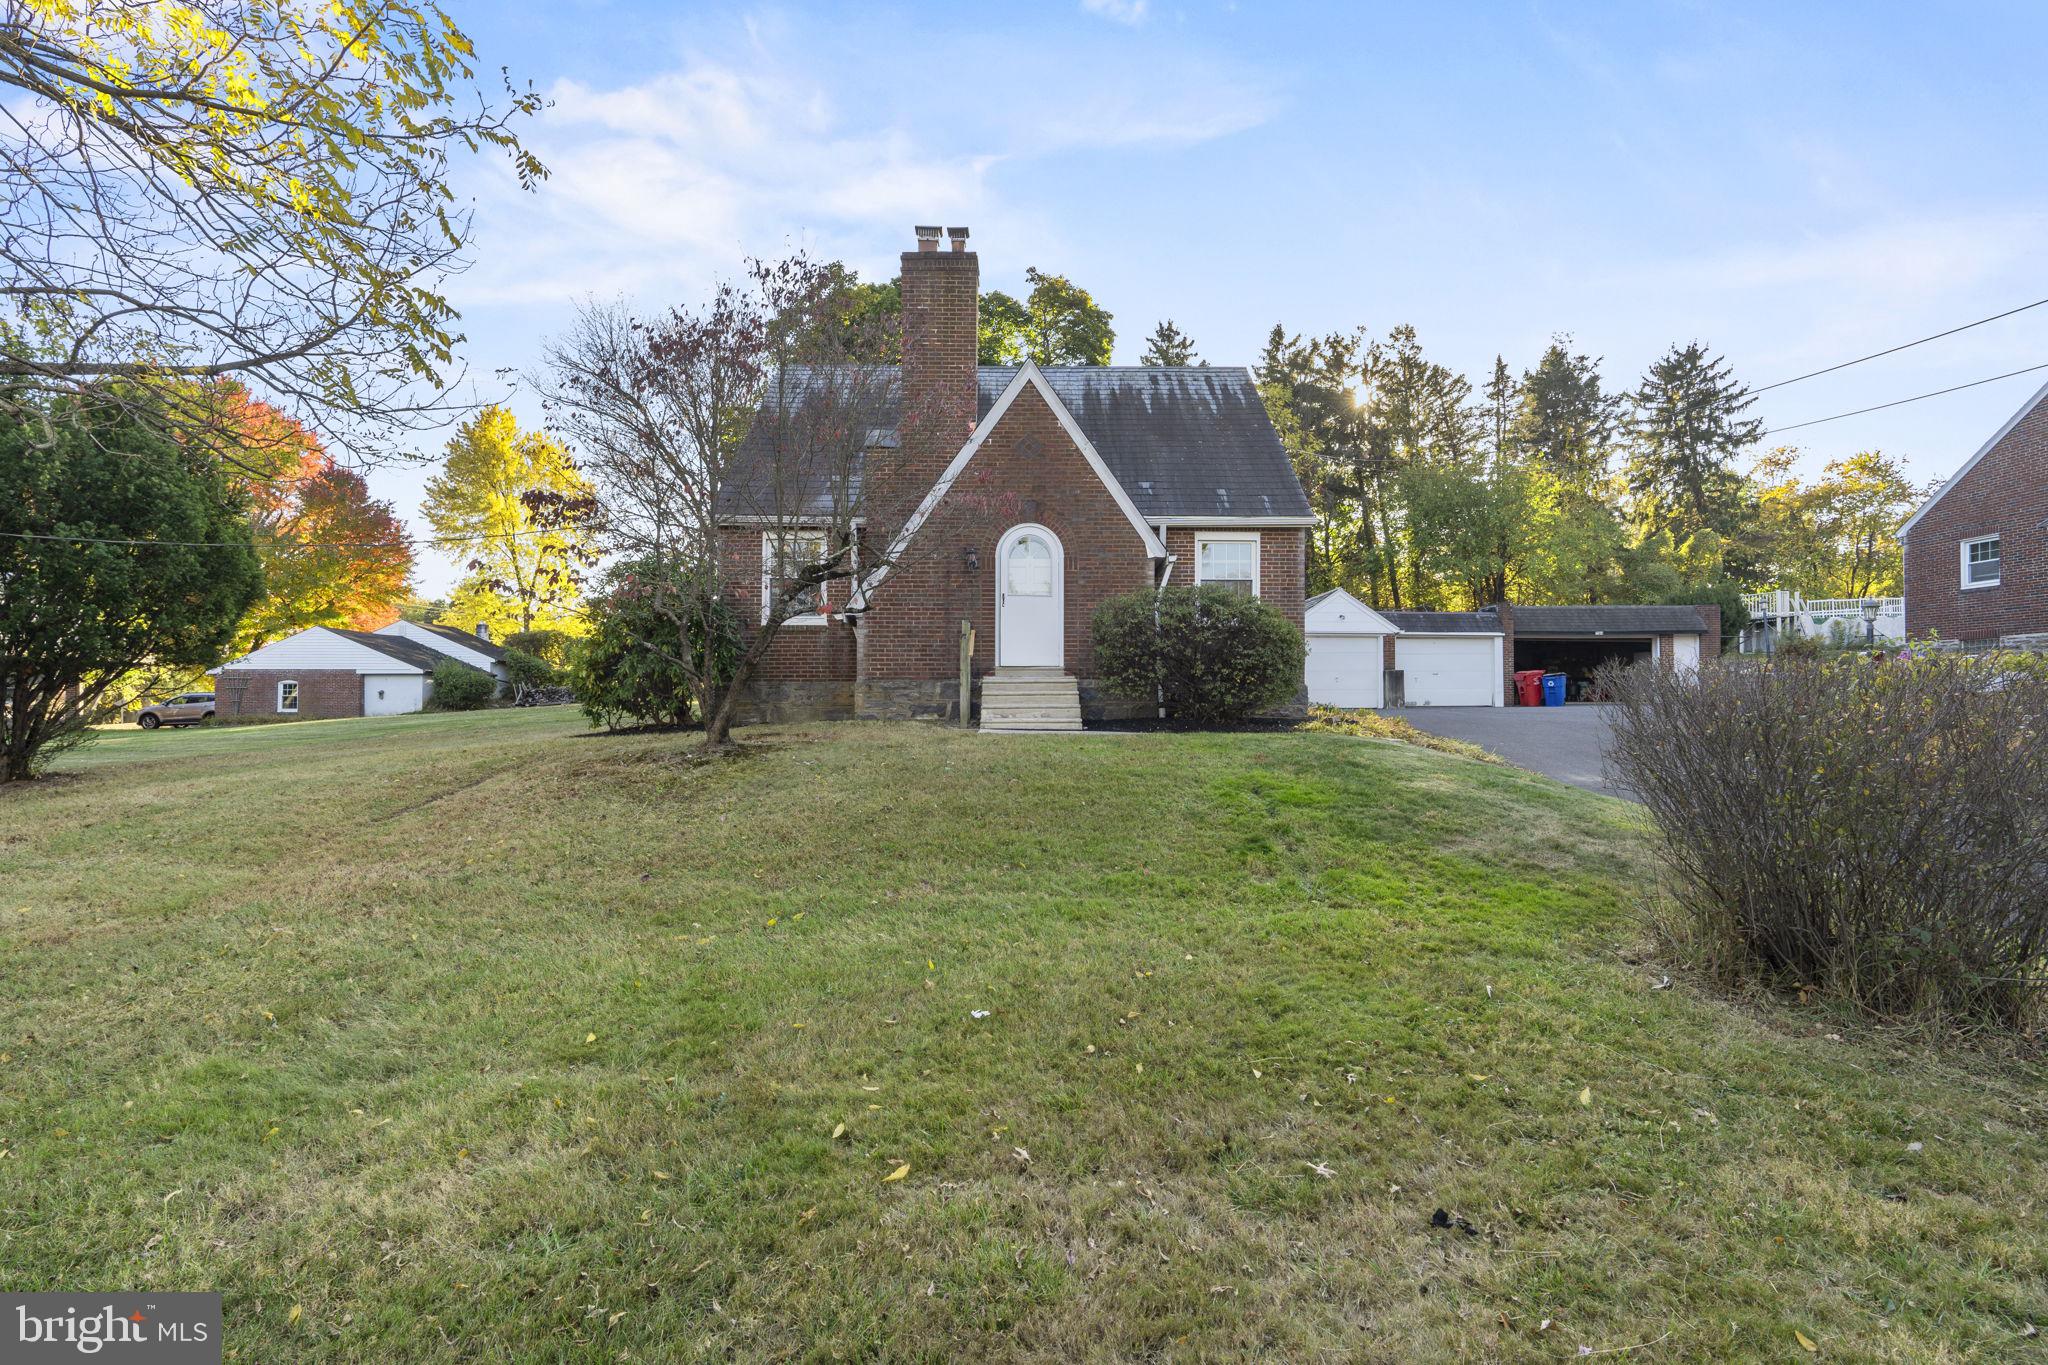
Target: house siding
{"x":324,"y":693}
{"x":2004,"y":494}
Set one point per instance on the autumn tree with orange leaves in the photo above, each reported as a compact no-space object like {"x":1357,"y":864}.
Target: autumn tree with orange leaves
{"x":332,"y":554}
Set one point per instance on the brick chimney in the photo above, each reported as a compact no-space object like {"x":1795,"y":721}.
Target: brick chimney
{"x":941,"y":316}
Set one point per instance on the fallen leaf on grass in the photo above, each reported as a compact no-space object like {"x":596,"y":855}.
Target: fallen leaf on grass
{"x":840,"y":1131}
{"x":661,"y":1175}
{"x":296,"y":1313}
{"x":590,"y":1037}
{"x":897,"y":1174}
{"x":1805,"y":1341}
{"x":1586,"y":1096}
{"x":1320,"y":1169}
{"x":1022,"y":1156}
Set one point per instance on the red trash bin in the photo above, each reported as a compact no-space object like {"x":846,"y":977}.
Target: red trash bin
{"x":1528,"y":687}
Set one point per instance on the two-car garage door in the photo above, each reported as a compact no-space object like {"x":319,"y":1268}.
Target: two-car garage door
{"x":1448,"y":670}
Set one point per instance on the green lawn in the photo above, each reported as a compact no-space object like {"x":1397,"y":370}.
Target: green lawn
{"x":475,"y":1038}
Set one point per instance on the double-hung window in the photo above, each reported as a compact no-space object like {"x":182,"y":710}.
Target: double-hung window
{"x":783,"y":556}
{"x":288,"y":697}
{"x":1228,"y":561}
{"x":1981,"y":562}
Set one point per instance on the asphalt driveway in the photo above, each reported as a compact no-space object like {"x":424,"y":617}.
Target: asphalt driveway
{"x":1564,"y":742}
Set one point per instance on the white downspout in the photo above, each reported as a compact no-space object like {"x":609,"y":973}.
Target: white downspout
{"x":1165,"y":578}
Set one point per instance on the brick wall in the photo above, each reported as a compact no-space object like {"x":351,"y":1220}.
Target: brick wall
{"x":324,"y":693}
{"x":809,"y":668}
{"x":941,"y":318}
{"x":1027,"y":470}
{"x":1283,"y":563}
{"x":2005,"y":495}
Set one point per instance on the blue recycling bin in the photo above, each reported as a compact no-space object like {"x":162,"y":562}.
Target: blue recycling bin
{"x":1553,"y":689}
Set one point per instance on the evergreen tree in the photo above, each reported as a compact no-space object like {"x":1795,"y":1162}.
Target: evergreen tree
{"x":1685,"y":430}
{"x":1564,"y":421}
{"x":1501,"y":393}
{"x":1169,"y":345}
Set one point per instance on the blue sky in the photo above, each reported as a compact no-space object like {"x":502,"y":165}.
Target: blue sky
{"x":1792,"y":184}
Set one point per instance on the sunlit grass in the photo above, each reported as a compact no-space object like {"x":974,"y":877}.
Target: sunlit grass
{"x":474,"y":1038}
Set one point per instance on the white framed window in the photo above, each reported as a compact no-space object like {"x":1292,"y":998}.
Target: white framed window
{"x":1981,"y":562}
{"x":288,"y":697}
{"x":799,"y":549}
{"x":1228,"y":560}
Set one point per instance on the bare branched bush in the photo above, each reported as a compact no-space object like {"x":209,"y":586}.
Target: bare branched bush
{"x":1878,"y":831}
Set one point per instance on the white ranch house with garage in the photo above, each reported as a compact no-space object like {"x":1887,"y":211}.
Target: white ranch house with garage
{"x":1363,"y":658}
{"x":326,"y":672}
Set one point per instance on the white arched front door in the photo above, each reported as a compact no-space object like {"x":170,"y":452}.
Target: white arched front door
{"x":1031,"y":599}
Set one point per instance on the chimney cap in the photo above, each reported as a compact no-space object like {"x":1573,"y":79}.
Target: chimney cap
{"x":927,"y":237}
{"x":959,"y":236}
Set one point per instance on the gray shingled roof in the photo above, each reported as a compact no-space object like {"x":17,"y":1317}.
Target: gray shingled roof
{"x":1615,"y":620}
{"x":1189,"y":441}
{"x":397,"y":647}
{"x":1447,"y":622}
{"x":1183,"y":442}
{"x":469,"y":641}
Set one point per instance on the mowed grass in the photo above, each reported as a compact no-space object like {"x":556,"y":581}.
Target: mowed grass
{"x":476,"y":1038}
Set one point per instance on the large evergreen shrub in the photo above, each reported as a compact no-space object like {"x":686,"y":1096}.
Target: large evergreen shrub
{"x":1211,"y":656}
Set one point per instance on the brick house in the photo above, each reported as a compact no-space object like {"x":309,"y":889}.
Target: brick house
{"x":1110,"y":479}
{"x":1976,"y":553}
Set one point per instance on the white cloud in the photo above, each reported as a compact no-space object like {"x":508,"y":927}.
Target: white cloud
{"x":1120,"y":11}
{"x":670,"y":182}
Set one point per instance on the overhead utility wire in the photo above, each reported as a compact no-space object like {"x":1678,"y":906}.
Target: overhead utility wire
{"x":1898,"y":402}
{"x":1893,"y":350}
{"x":413,"y":542}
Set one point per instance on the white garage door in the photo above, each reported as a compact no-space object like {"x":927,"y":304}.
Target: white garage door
{"x":1345,"y":670}
{"x":393,"y":694}
{"x":1455,"y":671}
{"x":1685,"y":653}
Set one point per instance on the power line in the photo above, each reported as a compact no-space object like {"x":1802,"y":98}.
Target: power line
{"x":1898,"y":402}
{"x":409,"y":542}
{"x":1893,"y":350}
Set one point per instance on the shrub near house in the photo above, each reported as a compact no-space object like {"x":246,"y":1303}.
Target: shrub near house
{"x":1207,"y":655}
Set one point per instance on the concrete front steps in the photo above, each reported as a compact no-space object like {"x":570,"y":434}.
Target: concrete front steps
{"x":1030,"y":699}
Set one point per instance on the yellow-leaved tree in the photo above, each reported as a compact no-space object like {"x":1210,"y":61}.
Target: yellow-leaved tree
{"x":255,"y":190}
{"x":513,"y":506}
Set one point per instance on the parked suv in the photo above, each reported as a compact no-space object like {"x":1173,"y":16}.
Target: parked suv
{"x":187,"y":708}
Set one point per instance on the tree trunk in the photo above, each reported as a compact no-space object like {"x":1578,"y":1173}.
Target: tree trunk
{"x":718,"y":723}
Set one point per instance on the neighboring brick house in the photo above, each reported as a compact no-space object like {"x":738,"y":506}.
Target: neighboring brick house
{"x":1976,"y":553}
{"x":1111,"y":479}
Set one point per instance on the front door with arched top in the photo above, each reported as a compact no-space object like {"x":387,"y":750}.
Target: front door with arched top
{"x":1030,"y":599}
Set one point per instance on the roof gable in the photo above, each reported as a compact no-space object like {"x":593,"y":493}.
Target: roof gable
{"x":1337,"y":612}
{"x":1184,"y":442}
{"x":2025,"y":410}
{"x":325,"y":647}
{"x":1027,"y":376}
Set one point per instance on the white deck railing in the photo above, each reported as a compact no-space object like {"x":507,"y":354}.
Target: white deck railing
{"x":1838,"y":620}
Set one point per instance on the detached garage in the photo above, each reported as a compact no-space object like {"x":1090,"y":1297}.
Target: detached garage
{"x":1578,"y":641}
{"x":1347,"y":651}
{"x":1450,"y":658}
{"x":324,"y":672}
